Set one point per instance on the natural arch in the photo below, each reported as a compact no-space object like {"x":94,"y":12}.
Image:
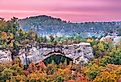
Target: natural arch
{"x":57,"y":59}
{"x":55,"y":52}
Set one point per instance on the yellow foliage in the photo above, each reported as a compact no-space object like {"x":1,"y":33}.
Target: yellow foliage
{"x":111,"y":73}
{"x":101,"y":46}
{"x":36,"y":76}
{"x":11,"y":36}
{"x":7,"y":81}
{"x":93,"y":67}
{"x":11,"y":44}
{"x":106,"y":77}
{"x":90,"y":40}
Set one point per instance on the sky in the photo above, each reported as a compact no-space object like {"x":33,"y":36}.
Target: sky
{"x":70,"y":10}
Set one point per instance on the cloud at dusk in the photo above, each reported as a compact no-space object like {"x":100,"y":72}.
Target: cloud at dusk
{"x":71,"y":10}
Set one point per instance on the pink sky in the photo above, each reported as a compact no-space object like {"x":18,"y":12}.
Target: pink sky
{"x":71,"y":10}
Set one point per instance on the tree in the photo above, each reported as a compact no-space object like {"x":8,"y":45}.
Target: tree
{"x":7,"y":73}
{"x":106,"y":77}
{"x":92,"y":70}
{"x":4,"y":35}
{"x":51,"y":38}
{"x":119,"y":31}
{"x":13,"y":25}
{"x":114,"y":57}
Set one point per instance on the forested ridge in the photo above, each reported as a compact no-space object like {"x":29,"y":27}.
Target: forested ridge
{"x":48,"y":25}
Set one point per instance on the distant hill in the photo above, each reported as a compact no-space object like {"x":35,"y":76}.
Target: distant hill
{"x":46,"y":25}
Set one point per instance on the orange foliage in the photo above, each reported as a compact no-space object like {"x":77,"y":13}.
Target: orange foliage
{"x":42,"y":65}
{"x":81,"y":78}
{"x":32,"y":67}
{"x":110,"y":73}
{"x":4,"y":35}
{"x":119,"y":80}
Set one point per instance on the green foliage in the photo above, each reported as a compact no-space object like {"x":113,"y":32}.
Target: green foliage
{"x":11,"y":36}
{"x":113,"y":58}
{"x":119,"y":31}
{"x":57,"y":59}
{"x":101,"y":49}
{"x":92,"y":70}
{"x":105,"y":60}
{"x":59,"y":79}
{"x":6,"y":74}
{"x":92,"y":74}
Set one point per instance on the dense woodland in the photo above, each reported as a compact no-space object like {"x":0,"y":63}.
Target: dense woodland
{"x":45,"y":25}
{"x":105,"y":67}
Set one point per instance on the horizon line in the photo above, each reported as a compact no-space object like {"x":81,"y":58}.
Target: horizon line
{"x":56,"y":17}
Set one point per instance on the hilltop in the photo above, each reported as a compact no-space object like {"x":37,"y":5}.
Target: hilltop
{"x":46,"y":25}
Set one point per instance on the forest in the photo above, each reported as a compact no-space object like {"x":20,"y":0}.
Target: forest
{"x":105,"y":67}
{"x":45,"y":25}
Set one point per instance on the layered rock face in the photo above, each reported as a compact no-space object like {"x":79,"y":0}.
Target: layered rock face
{"x":5,"y":56}
{"x":80,"y":53}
